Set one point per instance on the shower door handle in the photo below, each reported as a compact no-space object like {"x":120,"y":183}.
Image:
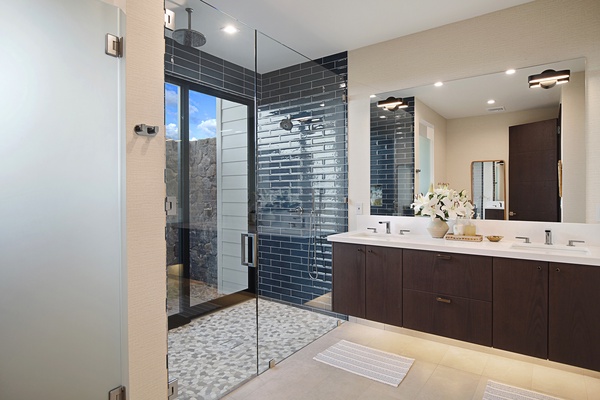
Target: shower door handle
{"x":249,"y":256}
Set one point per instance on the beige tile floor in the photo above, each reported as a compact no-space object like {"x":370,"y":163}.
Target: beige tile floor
{"x":443,"y":369}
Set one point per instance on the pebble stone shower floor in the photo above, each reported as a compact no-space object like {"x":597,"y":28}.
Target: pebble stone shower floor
{"x":213,"y":354}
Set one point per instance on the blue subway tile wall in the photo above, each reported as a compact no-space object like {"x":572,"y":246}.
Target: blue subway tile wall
{"x":392,"y":159}
{"x":198,"y":66}
{"x":302,"y":182}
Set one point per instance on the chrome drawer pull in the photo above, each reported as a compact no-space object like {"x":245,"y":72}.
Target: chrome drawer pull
{"x":442,"y":300}
{"x":443,"y":257}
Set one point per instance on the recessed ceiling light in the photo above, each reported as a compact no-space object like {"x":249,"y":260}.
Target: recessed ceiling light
{"x":382,"y":116}
{"x":510,"y":71}
{"x":322,"y":105}
{"x":230,"y":29}
{"x":438,"y":84}
{"x":371,"y":96}
{"x":491,"y":101}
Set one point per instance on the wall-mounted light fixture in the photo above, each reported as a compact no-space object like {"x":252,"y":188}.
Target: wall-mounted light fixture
{"x":549,"y":78}
{"x":392,"y":103}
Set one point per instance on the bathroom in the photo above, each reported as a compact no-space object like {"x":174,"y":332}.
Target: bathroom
{"x":145,"y":338}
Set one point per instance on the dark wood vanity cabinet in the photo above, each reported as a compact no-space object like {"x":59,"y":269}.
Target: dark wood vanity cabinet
{"x":348,"y":295}
{"x":540,"y":309}
{"x":574,"y":315}
{"x":384,"y":285}
{"x":448,"y":294}
{"x":520,"y":307}
{"x":367,"y":282}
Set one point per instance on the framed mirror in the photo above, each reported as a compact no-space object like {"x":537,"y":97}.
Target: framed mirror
{"x":445,"y":127}
{"x":488,"y":189}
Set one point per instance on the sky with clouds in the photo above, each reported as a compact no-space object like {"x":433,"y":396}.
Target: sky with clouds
{"x":203,"y":112}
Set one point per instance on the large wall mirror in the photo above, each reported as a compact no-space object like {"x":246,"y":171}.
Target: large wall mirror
{"x":443,"y":128}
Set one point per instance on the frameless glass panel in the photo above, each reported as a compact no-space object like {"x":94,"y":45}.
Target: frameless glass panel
{"x":301,"y":186}
{"x":213,"y":343}
{"x":175,"y":278}
{"x":61,"y":179}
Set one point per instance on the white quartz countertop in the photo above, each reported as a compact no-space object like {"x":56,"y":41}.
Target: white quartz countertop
{"x":580,"y":254}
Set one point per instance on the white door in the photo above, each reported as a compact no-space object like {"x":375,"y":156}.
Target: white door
{"x":61,"y":171}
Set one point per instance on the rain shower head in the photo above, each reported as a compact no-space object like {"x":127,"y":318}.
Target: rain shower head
{"x":286,"y":124}
{"x":189,"y":37}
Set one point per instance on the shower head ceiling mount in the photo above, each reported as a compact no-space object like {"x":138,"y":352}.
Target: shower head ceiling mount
{"x":189,"y":37}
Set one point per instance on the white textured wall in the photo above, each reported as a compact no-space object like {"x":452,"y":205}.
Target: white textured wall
{"x":146,"y":315}
{"x":232,"y":193}
{"x":535,"y":33}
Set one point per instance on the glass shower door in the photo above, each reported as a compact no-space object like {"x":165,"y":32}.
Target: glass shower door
{"x":62,"y":190}
{"x":211,"y":302}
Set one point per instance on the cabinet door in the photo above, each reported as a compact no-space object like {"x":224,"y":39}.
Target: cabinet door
{"x":520,"y":306}
{"x":574,"y":322}
{"x":448,"y":273}
{"x":349,"y":279}
{"x":417,"y":311}
{"x":462,"y":319}
{"x":384,"y":285}
{"x":449,"y":316}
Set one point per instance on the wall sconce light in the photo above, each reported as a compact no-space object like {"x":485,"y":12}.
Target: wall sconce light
{"x":549,"y":78}
{"x":392,"y":103}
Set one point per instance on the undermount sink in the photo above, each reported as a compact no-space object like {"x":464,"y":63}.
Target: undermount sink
{"x":378,"y":236}
{"x":551,"y":248}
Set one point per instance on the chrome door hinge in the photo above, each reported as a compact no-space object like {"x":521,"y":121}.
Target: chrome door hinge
{"x":114,"y":45}
{"x":173,"y":389}
{"x":169,"y":20}
{"x":171,"y":205}
{"x":117,"y":393}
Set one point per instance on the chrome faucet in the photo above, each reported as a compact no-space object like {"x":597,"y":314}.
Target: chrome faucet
{"x":548,"y":236}
{"x":523,"y":237}
{"x":387,"y":226}
{"x":572,"y":242}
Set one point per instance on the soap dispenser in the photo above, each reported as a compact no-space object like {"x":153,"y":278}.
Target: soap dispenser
{"x":470,"y":229}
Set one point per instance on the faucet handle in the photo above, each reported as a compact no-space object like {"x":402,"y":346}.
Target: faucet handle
{"x":575,"y":241}
{"x":403,"y":231}
{"x":373,"y":229}
{"x":523,"y":237}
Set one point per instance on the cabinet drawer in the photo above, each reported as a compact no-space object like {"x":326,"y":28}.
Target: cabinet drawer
{"x":448,"y":273}
{"x":449,"y":316}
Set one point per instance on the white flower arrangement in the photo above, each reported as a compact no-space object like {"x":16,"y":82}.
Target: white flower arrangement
{"x":443,"y":203}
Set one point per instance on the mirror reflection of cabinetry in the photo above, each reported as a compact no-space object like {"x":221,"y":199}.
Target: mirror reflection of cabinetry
{"x":488,"y":189}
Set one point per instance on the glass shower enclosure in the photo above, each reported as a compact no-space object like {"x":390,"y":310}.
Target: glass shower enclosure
{"x":256,"y":179}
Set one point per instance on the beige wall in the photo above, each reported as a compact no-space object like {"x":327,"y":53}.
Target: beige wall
{"x":535,"y":33}
{"x":573,"y":148}
{"x":483,"y":138}
{"x":146,"y":376}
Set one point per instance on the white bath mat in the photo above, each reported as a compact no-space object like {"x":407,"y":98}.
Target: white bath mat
{"x":364,"y":361}
{"x":500,"y":391}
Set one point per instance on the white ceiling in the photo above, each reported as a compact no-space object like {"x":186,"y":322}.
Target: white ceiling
{"x":311,"y":29}
{"x":317,"y":28}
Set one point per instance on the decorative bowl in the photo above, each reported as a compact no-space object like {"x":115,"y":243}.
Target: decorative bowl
{"x":494,"y":238}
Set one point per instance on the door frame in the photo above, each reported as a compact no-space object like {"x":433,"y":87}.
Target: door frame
{"x":187,"y":312}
